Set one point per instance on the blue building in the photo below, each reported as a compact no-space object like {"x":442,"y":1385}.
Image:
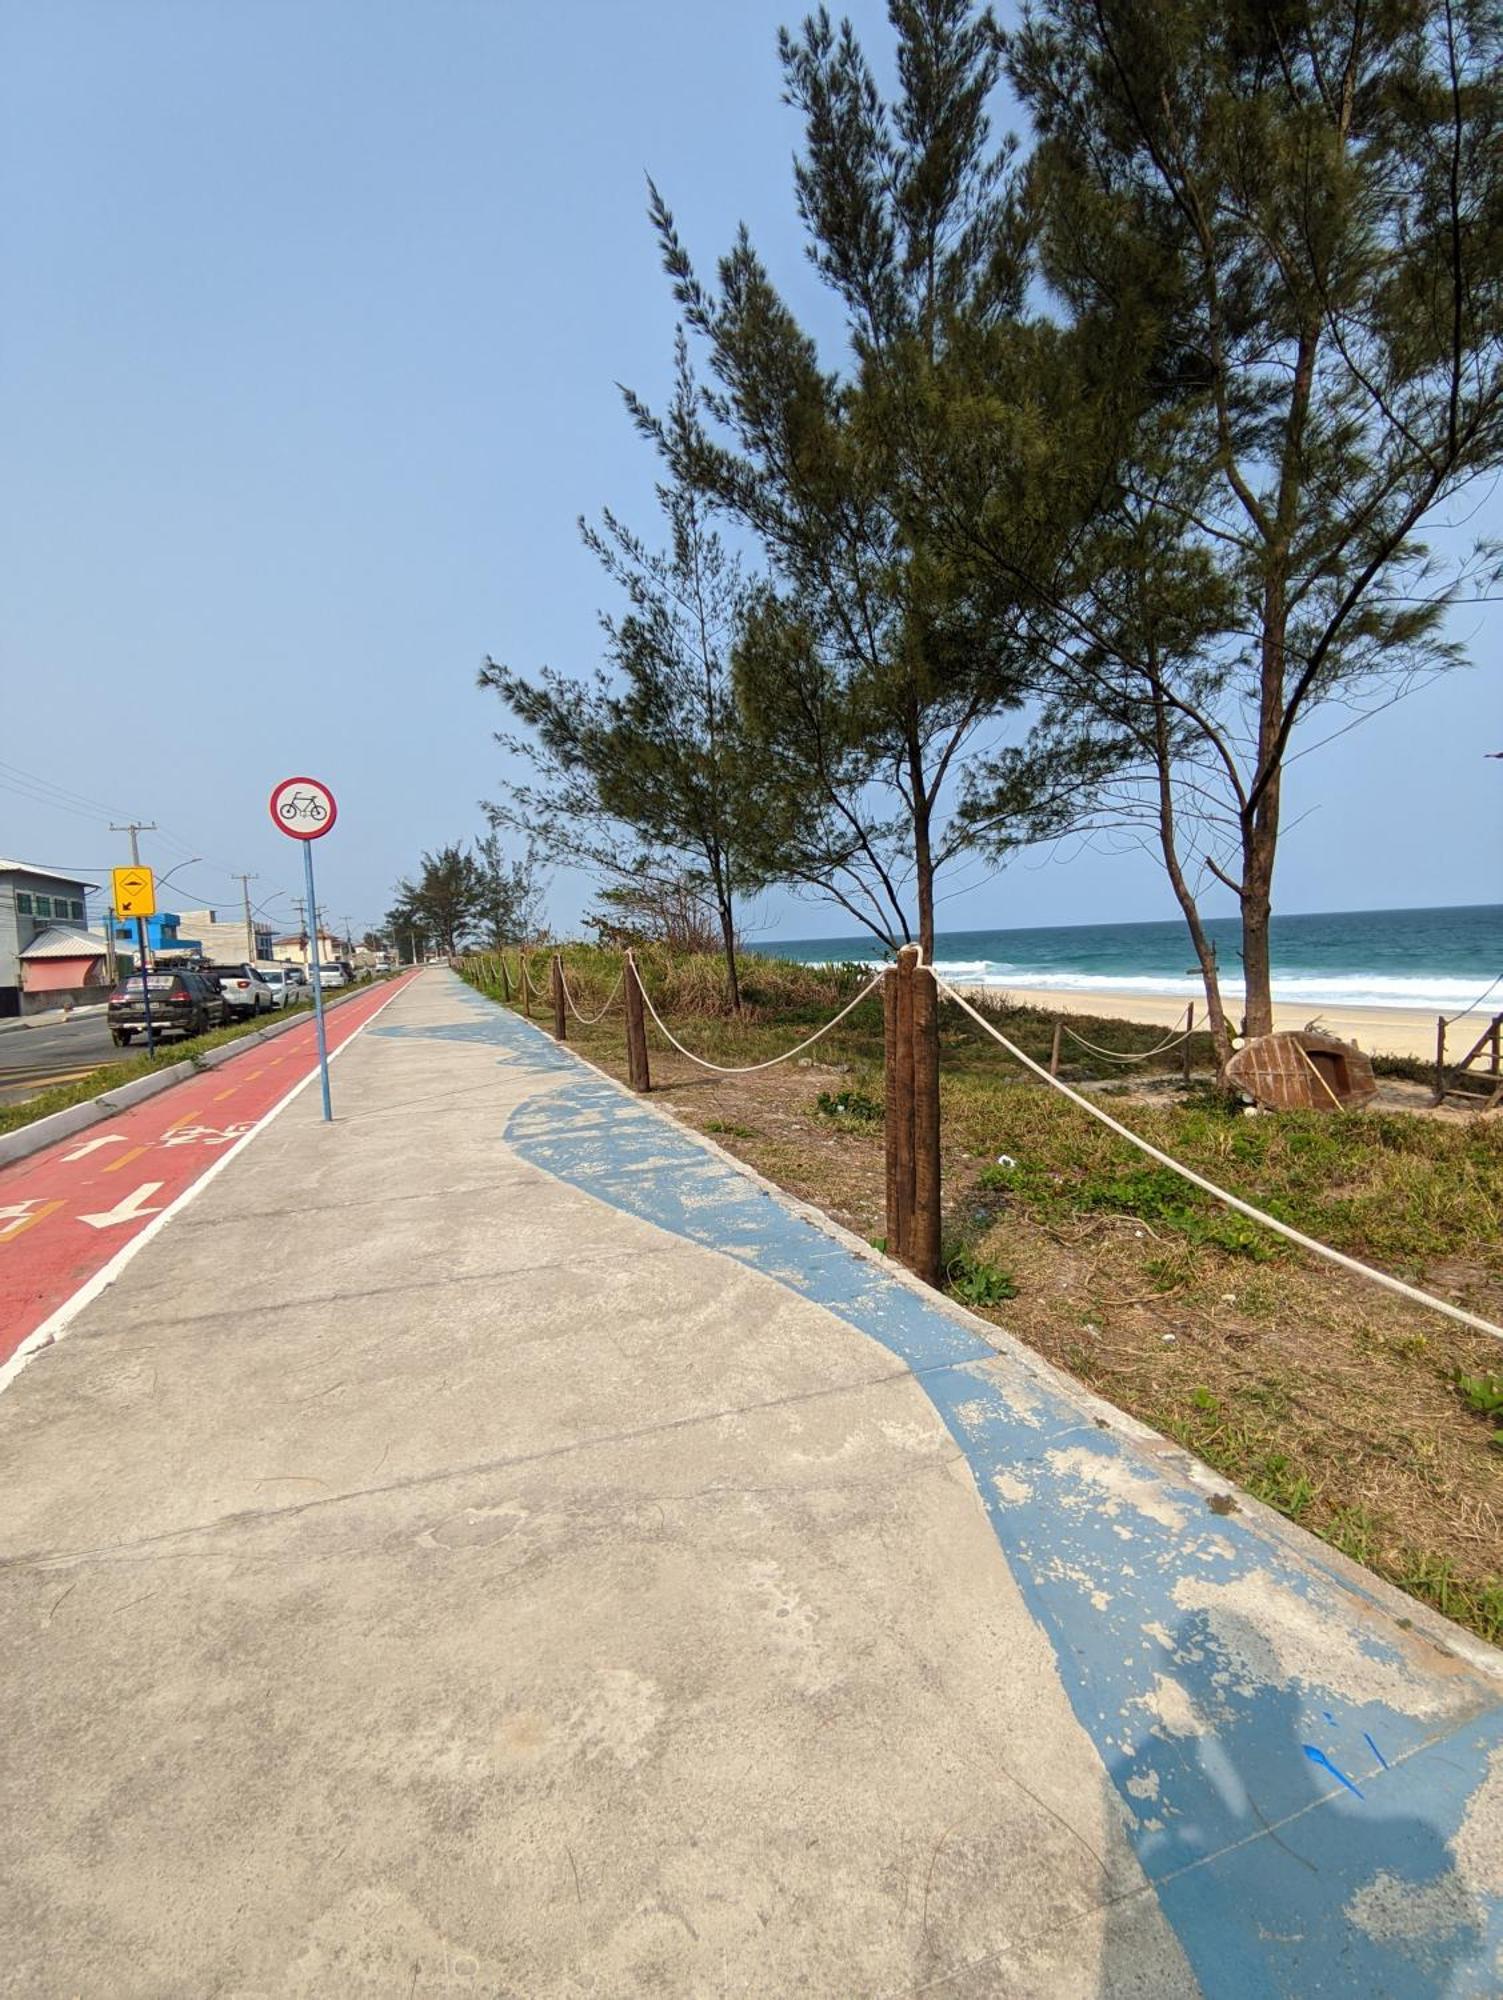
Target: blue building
{"x":161,"y":933}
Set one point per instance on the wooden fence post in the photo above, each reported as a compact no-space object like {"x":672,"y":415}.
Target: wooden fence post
{"x":1440,"y":1058}
{"x":637,"y":1073}
{"x":902,"y":1138}
{"x":525,"y":979}
{"x":560,"y":1015}
{"x":924,"y":1243}
{"x":505,"y":981}
{"x":891,"y":1111}
{"x":1497,"y":1045}
{"x":1059,"y":1029}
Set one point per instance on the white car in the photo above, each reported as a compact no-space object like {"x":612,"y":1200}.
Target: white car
{"x":331,"y":976}
{"x":286,"y":982}
{"x":244,"y":988}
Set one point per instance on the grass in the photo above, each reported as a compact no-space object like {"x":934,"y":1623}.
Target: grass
{"x":110,"y":1075}
{"x":1367,"y":1420}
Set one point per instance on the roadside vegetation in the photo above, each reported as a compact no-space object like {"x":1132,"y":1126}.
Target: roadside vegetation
{"x":110,"y":1075}
{"x":1376,"y":1425}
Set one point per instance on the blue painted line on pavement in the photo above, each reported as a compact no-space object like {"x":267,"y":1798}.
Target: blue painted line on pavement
{"x":1236,"y":1691}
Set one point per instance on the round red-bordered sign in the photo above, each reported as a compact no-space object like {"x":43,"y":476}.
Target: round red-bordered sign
{"x":303,"y":808}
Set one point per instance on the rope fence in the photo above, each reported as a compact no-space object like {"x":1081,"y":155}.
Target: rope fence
{"x":1130,"y":1056}
{"x":1284,"y":1229}
{"x":911,"y":1117}
{"x":591,"y":1020}
{"x":748,"y":1069}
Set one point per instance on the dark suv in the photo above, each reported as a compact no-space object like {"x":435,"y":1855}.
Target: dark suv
{"x":182,"y":1003}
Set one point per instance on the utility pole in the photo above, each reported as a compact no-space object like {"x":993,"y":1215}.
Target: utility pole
{"x":133,"y":827}
{"x":302,"y":924}
{"x":250,"y":927}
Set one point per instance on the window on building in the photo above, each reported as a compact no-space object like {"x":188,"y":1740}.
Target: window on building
{"x":23,"y":903}
{"x":75,"y":911}
{"x":44,"y":906}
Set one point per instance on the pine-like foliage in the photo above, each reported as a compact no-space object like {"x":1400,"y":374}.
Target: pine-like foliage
{"x":1284,"y":222}
{"x":641,"y":768}
{"x":873,"y":664}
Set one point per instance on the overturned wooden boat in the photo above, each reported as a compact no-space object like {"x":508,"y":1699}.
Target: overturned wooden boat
{"x":1302,"y":1070}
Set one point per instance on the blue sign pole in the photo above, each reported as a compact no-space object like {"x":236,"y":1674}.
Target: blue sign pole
{"x":151,"y":1040}
{"x":318,"y":990}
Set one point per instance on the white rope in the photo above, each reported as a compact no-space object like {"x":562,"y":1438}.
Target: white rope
{"x":1452,"y":1019}
{"x":1246,"y":1208}
{"x":589,"y":1020}
{"x":745,"y":1069}
{"x":1141,"y":1055}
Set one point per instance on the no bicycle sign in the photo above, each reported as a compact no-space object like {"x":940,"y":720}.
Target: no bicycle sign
{"x":305,"y":810}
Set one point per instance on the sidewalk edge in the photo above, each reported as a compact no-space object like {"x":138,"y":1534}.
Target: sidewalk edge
{"x":1386,"y":1599}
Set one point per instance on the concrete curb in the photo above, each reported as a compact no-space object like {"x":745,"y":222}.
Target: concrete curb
{"x":44,"y":1132}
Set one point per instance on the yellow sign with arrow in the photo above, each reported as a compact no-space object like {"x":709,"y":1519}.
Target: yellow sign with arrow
{"x":135,"y":892}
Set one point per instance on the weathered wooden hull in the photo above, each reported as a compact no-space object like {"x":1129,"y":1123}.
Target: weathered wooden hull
{"x":1302,"y":1071}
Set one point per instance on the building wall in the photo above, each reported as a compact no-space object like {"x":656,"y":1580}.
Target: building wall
{"x":19,"y":925}
{"x":222,"y":938}
{"x":293,"y":951}
{"x":162,"y":933}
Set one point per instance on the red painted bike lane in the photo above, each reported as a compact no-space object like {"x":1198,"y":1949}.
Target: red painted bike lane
{"x":65,"y":1213}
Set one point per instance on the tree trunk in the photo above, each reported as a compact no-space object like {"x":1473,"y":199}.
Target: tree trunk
{"x":728,"y":934}
{"x":1205,"y":950}
{"x":1205,"y":954}
{"x":923,"y":865}
{"x":1260,"y":818}
{"x":1257,"y":907}
{"x":1259,"y":848}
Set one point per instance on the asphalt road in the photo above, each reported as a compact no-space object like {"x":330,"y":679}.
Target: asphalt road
{"x":33,"y":1058}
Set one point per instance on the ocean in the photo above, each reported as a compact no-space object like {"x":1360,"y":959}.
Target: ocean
{"x":1435,"y":960}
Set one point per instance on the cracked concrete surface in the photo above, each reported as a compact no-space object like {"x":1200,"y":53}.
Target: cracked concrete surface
{"x":420,"y":1576}
{"x":495,"y":1545}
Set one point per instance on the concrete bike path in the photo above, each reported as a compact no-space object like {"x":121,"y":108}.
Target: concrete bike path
{"x":493,"y":1545}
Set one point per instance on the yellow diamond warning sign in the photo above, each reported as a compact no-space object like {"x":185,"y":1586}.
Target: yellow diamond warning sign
{"x":135,"y":892}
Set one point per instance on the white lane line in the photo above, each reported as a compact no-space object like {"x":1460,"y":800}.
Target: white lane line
{"x":57,"y":1323}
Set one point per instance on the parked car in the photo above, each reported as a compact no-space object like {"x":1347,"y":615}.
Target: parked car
{"x":182,"y":1003}
{"x":332,"y":976}
{"x":244,"y":988}
{"x":287,"y":984}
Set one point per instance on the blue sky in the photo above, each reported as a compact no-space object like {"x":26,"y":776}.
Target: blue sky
{"x":315,"y":312}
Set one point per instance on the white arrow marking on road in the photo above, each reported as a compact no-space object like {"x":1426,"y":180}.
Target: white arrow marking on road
{"x":92,"y":1145}
{"x":129,"y":1210}
{"x":19,"y":1208}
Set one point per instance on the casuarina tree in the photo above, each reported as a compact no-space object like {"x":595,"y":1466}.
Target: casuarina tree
{"x":872,"y":668}
{"x":508,"y":894}
{"x":641,"y":769}
{"x":443,"y":906}
{"x":1286,"y":223}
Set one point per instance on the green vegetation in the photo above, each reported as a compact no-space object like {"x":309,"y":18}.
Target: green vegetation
{"x":110,"y":1075}
{"x":974,"y":1281}
{"x":853,"y":1106}
{"x":1343,"y":1407}
{"x":1104,"y":458}
{"x":1484,"y":1394}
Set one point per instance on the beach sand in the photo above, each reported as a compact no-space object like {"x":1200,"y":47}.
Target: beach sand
{"x":1388,"y":1031}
